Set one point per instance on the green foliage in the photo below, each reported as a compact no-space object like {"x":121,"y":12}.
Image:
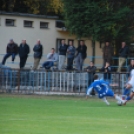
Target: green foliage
{"x":100,"y":19}
{"x":45,"y":7}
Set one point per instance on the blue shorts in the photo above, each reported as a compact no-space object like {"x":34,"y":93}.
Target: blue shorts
{"x":109,"y":92}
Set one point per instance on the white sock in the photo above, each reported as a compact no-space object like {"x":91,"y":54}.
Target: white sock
{"x":118,"y":98}
{"x":105,"y":100}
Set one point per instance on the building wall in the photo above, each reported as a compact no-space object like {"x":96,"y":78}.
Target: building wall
{"x":48,"y":37}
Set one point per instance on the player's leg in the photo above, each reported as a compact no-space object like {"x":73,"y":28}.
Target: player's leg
{"x":128,"y":98}
{"x":105,"y":100}
{"x":127,"y":89}
{"x":88,"y":91}
{"x":110,"y":93}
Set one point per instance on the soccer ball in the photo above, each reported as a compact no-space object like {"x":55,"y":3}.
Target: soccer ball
{"x":119,"y":103}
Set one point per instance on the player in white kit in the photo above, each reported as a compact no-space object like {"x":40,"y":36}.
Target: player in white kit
{"x":130,"y":86}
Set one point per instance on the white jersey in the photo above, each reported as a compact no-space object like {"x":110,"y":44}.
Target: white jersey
{"x":131,"y":81}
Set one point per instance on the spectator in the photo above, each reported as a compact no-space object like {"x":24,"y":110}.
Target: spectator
{"x":123,"y":53}
{"x":107,"y":53}
{"x":81,"y":55}
{"x":51,"y":58}
{"x":70,"y":55}
{"x":91,"y":69}
{"x":107,"y":71}
{"x":12,"y":50}
{"x":37,"y":54}
{"x":23,"y":53}
{"x":62,"y":54}
{"x":130,"y":67}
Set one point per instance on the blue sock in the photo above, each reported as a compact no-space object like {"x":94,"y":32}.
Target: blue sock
{"x":128,"y":98}
{"x":126,"y":91}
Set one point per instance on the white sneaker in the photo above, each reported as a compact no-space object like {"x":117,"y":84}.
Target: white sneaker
{"x":124,"y":102}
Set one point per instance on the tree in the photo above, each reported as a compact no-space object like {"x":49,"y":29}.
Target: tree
{"x":100,"y":20}
{"x":44,"y":7}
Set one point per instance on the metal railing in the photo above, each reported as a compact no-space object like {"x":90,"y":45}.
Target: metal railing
{"x":27,"y":81}
{"x":88,"y":57}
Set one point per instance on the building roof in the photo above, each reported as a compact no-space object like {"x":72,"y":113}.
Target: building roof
{"x":28,"y":15}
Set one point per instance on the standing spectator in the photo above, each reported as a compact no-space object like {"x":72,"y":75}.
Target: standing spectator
{"x":37,"y":54}
{"x":51,"y":58}
{"x":107,"y":53}
{"x":130,"y":67}
{"x":91,"y":69}
{"x":62,"y":54}
{"x":23,"y":53}
{"x":12,"y":50}
{"x":107,"y":71}
{"x":70,"y":55}
{"x":123,"y":53}
{"x":81,"y":55}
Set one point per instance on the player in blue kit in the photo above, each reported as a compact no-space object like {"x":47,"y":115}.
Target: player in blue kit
{"x":103,"y":89}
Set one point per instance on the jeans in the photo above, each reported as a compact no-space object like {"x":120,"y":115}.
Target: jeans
{"x":48,"y":64}
{"x":23,"y":61}
{"x":7,"y":56}
{"x":70,"y":63}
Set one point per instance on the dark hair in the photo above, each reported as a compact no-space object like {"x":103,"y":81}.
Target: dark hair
{"x":52,"y":48}
{"x":96,"y":77}
{"x":92,"y":62}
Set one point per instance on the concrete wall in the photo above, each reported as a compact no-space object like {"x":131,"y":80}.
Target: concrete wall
{"x":48,"y":37}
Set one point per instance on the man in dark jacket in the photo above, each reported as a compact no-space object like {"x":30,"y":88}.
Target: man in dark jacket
{"x":12,"y":50}
{"x":81,"y":55}
{"x":23,"y":53}
{"x":107,"y":71}
{"x":62,"y":54}
{"x":37,"y":54}
{"x":123,"y":54}
{"x":107,"y":53}
{"x":70,"y":55}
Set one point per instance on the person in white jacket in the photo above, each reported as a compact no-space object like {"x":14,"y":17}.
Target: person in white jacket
{"x":51,"y":58}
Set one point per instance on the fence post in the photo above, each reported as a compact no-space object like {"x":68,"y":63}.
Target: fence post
{"x":18,"y":81}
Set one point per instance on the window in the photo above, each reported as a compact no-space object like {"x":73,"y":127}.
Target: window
{"x":44,"y":25}
{"x":10,"y":22}
{"x":28,"y":23}
{"x":60,"y":24}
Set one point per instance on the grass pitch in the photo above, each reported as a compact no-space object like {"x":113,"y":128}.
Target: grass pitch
{"x":63,"y":115}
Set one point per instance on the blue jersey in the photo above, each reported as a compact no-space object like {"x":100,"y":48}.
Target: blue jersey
{"x":101,"y":87}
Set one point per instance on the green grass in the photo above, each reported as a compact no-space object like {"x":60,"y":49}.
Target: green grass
{"x":21,"y":114}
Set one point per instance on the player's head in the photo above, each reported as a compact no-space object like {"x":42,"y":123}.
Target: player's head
{"x":96,"y":77}
{"x":107,"y":64}
{"x":132,"y":62}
